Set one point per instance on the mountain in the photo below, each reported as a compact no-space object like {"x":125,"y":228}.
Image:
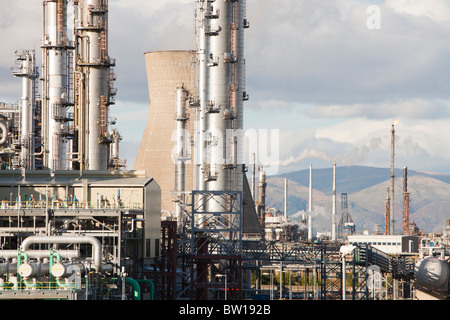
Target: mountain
{"x":366,"y":193}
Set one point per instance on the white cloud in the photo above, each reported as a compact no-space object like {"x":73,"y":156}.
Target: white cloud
{"x":415,"y":108}
{"x":436,"y":10}
{"x":322,"y":52}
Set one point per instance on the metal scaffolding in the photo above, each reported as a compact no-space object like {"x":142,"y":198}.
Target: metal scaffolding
{"x":210,"y":247}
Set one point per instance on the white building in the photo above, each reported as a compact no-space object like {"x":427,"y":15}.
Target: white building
{"x":391,"y":244}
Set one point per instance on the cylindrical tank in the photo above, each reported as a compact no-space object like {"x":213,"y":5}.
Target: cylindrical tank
{"x":432,"y":273}
{"x":28,"y":270}
{"x":60,"y":270}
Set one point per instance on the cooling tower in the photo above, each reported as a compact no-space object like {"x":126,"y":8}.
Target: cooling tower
{"x":166,"y":70}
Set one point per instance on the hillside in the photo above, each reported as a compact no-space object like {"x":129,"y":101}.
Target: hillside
{"x":366,"y":190}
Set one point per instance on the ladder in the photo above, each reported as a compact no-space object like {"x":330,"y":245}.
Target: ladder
{"x":103,"y":116}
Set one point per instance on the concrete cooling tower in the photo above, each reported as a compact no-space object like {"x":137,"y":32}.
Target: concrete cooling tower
{"x":166,"y":71}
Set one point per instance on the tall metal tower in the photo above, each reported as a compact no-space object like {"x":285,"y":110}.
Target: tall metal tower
{"x":94,"y":85}
{"x":56,"y":66}
{"x":214,"y":234}
{"x":220,"y":51}
{"x":26,"y":69}
{"x":346,"y":224}
{"x":406,"y":202}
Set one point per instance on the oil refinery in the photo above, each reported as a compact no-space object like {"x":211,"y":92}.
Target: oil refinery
{"x":190,"y":221}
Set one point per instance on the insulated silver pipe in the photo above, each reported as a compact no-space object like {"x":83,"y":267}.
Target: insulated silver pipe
{"x":181,"y":147}
{"x":94,"y":242}
{"x":40,"y":254}
{"x":8,"y":268}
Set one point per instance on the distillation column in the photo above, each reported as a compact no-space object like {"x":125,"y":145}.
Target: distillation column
{"x":94,"y":84}
{"x":56,"y":88}
{"x":220,"y":50}
{"x":25,"y":68}
{"x":181,"y":154}
{"x":219,"y":136}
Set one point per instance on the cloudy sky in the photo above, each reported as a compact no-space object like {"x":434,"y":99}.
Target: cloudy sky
{"x":316,"y":72}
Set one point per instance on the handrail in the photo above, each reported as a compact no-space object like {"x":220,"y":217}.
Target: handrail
{"x":66,"y":204}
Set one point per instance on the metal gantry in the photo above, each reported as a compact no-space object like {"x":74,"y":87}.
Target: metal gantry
{"x":210,"y":247}
{"x":210,"y":263}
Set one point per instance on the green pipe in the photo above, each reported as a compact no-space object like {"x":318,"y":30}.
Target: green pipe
{"x":58,"y":256}
{"x":152,"y":294}
{"x":25,"y":255}
{"x":64,"y":285}
{"x":136,"y":288}
{"x":19,"y":262}
{"x":32,"y":285}
{"x":135,"y":285}
{"x":6,"y":285}
{"x":50,"y":276}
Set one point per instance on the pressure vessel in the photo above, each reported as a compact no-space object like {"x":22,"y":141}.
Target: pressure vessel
{"x":432,"y":273}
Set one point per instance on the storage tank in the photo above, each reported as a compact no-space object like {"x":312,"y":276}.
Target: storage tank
{"x":432,"y":274}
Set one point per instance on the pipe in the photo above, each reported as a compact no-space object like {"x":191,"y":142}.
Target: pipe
{"x":32,"y":285}
{"x":8,"y":268}
{"x":333,"y":213}
{"x":285,"y":196}
{"x":39,"y":254}
{"x":5,"y":133}
{"x":387,"y":202}
{"x":254,"y":178}
{"x":392,"y":179}
{"x":310,"y":205}
{"x":152,"y":285}
{"x":180,"y":156}
{"x":135,"y":285}
{"x":64,"y":285}
{"x":136,"y":288}
{"x":94,"y":242}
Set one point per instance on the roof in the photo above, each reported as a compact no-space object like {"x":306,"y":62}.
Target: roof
{"x":74,"y":178}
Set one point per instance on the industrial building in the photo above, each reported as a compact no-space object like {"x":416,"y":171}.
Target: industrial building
{"x":64,"y":216}
{"x":391,"y":244}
